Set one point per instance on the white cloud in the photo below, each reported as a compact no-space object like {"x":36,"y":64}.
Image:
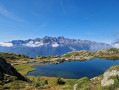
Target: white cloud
{"x":4,"y":44}
{"x":115,"y":45}
{"x":62,"y":4}
{"x":73,"y":49}
{"x":55,"y":45}
{"x":32,"y":44}
{"x":9,"y":15}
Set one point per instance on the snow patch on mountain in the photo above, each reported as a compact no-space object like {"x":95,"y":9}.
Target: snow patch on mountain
{"x":55,"y":45}
{"x":6,"y":44}
{"x":32,"y":44}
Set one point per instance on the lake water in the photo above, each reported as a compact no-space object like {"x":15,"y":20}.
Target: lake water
{"x":74,"y":69}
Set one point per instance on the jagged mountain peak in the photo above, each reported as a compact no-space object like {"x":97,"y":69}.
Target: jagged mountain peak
{"x":50,"y":46}
{"x":50,"y":40}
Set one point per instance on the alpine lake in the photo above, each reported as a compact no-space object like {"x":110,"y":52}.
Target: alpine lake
{"x":74,"y":69}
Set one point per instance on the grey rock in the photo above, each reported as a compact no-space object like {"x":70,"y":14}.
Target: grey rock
{"x":106,"y":75}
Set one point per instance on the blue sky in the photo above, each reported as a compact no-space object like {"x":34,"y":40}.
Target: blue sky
{"x":96,"y":20}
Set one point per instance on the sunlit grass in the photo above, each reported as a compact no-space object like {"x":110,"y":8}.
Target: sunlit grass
{"x":25,"y":68}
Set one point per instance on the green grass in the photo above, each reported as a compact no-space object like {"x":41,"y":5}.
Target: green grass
{"x":116,"y":67}
{"x":69,"y":84}
{"x":25,"y":68}
{"x":15,"y":85}
{"x":112,"y":77}
{"x":83,"y":83}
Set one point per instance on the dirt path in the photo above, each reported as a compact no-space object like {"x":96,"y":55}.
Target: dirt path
{"x":75,"y":86}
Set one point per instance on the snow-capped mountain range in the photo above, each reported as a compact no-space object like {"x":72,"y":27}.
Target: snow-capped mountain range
{"x":51,"y":46}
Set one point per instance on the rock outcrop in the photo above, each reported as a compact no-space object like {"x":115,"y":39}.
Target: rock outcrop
{"x":6,"y":68}
{"x":95,"y":78}
{"x":106,"y":77}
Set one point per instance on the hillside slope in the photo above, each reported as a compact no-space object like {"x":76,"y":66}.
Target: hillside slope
{"x":6,"y":68}
{"x":111,"y":53}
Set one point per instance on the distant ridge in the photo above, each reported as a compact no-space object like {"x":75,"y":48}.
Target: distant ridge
{"x":50,"y":46}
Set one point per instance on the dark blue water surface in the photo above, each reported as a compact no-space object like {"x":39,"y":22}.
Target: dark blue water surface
{"x":74,"y":69}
